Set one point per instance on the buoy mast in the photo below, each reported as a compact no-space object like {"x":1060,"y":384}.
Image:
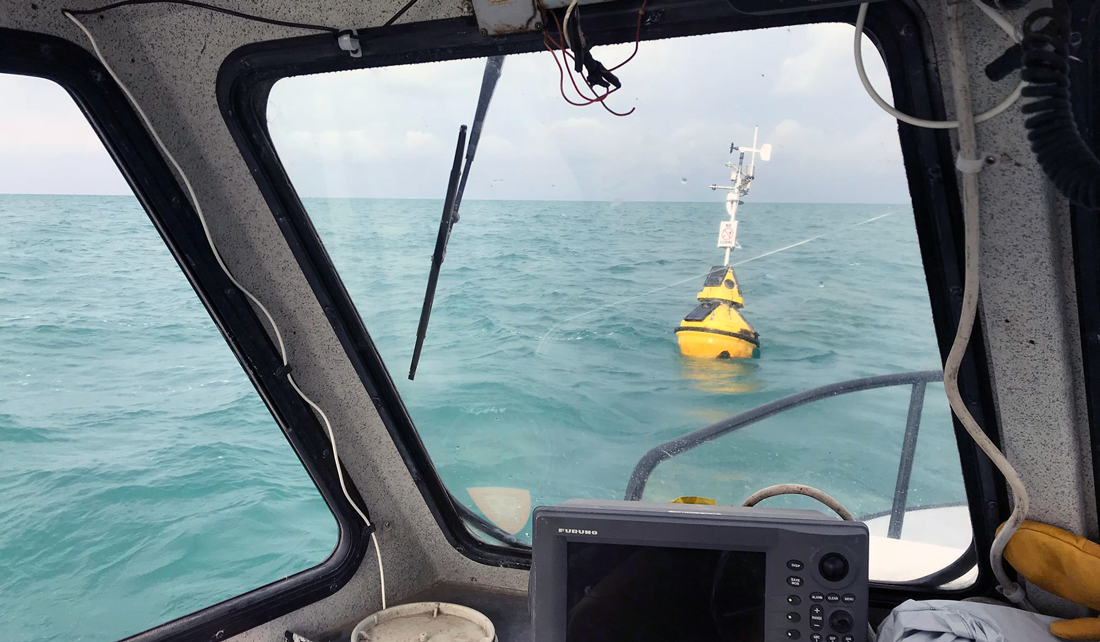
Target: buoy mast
{"x":742,"y":179}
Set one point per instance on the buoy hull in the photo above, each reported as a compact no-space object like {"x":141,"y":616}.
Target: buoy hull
{"x":717,"y":330}
{"x":694,"y":343}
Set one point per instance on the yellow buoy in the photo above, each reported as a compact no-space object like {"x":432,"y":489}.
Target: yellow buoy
{"x":716,"y":329}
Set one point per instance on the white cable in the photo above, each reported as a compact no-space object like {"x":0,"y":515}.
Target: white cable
{"x":1001,"y":20}
{"x":213,"y":248}
{"x":565,"y":22}
{"x":343,"y":487}
{"x":906,"y":118}
{"x":968,"y":148}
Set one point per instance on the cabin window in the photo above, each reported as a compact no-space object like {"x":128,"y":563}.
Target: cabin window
{"x":552,"y":363}
{"x":142,"y":476}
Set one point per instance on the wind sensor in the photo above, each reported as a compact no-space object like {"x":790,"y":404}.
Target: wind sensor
{"x":742,"y":179}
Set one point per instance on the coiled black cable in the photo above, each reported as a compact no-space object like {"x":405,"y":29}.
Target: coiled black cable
{"x":1066,"y":159}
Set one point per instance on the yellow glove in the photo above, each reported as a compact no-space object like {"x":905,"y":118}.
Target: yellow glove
{"x":1063,"y":564}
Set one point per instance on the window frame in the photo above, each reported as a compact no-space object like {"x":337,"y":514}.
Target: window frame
{"x":155,"y":186}
{"x":898,"y":29}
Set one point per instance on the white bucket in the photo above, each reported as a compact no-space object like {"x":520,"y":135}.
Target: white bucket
{"x":425,"y":622}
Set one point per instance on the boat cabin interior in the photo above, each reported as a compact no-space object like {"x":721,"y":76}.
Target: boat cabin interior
{"x":246,"y":130}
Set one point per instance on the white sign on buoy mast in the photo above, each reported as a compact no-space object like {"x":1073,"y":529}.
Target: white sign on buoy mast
{"x":742,"y":178}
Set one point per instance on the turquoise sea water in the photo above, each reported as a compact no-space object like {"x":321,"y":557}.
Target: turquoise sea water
{"x":141,"y":478}
{"x":551,"y":349}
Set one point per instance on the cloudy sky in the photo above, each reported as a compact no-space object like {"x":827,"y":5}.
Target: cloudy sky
{"x":390,"y":133}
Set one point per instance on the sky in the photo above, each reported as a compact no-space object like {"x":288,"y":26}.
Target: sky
{"x":390,"y":133}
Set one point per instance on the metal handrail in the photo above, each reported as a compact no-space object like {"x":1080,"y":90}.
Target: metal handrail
{"x":917,"y":380}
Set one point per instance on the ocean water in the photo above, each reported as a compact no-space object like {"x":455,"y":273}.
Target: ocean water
{"x":141,"y":478}
{"x":551,"y":350}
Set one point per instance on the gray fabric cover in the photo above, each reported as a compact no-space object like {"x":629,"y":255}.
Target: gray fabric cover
{"x":949,"y":621}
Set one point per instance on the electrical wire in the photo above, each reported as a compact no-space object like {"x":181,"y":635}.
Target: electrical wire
{"x":1001,"y":20}
{"x":547,"y":41}
{"x":568,"y":14}
{"x":920,"y":122}
{"x":609,"y":110}
{"x":208,"y":7}
{"x":968,"y":149}
{"x":251,"y":297}
{"x":400,"y":12}
{"x":637,"y":38}
{"x":561,"y":78}
{"x":231,"y":12}
{"x":566,"y":56}
{"x":563,"y":39}
{"x":567,"y":70}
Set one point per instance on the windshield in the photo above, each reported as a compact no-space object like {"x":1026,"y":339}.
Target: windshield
{"x":561,"y":346}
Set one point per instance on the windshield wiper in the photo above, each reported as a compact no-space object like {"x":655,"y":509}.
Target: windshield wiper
{"x":455,"y":187}
{"x":440,"y":251}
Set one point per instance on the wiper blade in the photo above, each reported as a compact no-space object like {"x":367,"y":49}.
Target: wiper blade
{"x":455,"y":188}
{"x":440,"y":251}
{"x":493,"y":66}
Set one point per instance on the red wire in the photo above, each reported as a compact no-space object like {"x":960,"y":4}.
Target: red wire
{"x":637,"y":38}
{"x":566,"y":57}
{"x":561,"y":80}
{"x":561,"y":74}
{"x":612,"y":111}
{"x":546,"y":36}
{"x":561,"y":39}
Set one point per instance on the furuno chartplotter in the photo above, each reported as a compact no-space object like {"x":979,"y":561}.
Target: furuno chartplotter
{"x":606,"y":571}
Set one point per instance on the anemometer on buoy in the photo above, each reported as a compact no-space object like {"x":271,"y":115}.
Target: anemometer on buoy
{"x":715,"y":328}
{"x":741,"y":178}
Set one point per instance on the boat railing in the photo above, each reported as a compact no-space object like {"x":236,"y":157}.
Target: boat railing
{"x":918,"y":382}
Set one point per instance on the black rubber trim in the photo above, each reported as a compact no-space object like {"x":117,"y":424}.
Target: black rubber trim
{"x":1085,"y":223}
{"x":898,"y":29}
{"x":744,"y":336}
{"x":155,"y":187}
